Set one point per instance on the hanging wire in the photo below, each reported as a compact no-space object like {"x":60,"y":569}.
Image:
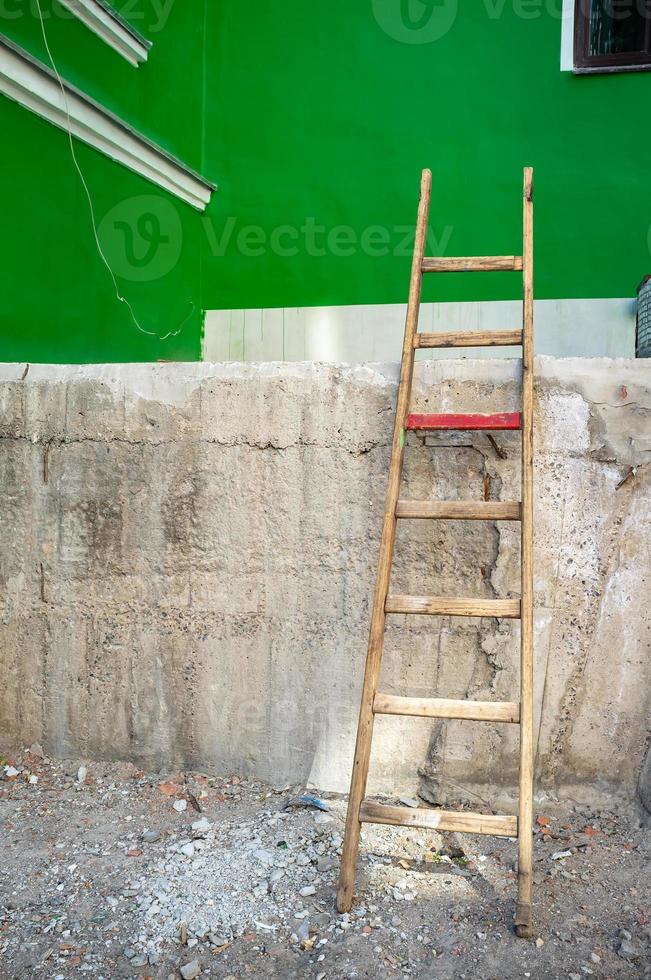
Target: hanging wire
{"x":118,"y":294}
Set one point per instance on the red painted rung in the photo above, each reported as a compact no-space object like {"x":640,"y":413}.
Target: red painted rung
{"x":502,"y":420}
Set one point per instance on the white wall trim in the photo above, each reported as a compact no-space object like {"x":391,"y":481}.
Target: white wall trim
{"x":111,"y":28}
{"x":31,"y":84}
{"x":563,"y":328}
{"x":567,"y":36}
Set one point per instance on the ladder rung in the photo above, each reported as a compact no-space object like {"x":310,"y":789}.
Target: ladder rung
{"x":469,"y":338}
{"x":449,"y":821}
{"x":459,"y":510}
{"x":390,"y":704}
{"x":472,"y":422}
{"x":435,"y":606}
{"x":473,"y":263}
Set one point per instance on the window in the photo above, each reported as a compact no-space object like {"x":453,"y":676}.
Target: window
{"x":612,"y":35}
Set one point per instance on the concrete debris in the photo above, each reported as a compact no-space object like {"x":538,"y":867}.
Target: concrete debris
{"x":264,"y":926}
{"x":628,"y":950}
{"x":322,"y":819}
{"x":190,"y":970}
{"x":201,"y":827}
{"x":119,"y":884}
{"x":264,"y":857}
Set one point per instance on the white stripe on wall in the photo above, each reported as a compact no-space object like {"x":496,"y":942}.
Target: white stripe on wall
{"x":563,"y":328}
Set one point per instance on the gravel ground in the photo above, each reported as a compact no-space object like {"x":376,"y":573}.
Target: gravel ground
{"x":111,"y":872}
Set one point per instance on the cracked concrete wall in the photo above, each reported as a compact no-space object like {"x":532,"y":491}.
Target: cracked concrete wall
{"x":187,"y":557}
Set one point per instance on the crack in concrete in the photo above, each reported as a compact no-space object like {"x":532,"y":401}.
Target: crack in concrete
{"x":156,"y":444}
{"x":645,"y":408}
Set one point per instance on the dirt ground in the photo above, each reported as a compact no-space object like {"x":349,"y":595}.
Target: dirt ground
{"x":111,"y":872}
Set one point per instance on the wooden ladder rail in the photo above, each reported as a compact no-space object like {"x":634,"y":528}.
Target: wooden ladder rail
{"x":523,"y":915}
{"x":378,"y":615}
{"x":359,"y":809}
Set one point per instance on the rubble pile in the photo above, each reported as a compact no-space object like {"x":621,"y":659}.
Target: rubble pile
{"x":112,"y":872}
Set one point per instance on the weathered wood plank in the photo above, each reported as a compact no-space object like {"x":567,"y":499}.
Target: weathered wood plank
{"x":469,"y":338}
{"x":441,"y":606}
{"x":458,"y":510}
{"x":473,"y":263}
{"x":449,"y":821}
{"x":502,"y":711}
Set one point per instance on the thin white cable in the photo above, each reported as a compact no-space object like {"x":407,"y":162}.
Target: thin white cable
{"x":118,"y":294}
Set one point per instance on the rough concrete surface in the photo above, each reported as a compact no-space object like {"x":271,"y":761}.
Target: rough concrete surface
{"x":187,"y":555}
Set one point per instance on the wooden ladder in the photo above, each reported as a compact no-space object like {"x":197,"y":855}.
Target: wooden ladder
{"x":361,"y":810}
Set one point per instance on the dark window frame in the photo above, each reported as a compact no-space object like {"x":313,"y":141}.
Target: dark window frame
{"x":585,"y":63}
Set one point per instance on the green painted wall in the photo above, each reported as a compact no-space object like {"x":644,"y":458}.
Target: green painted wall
{"x":311,"y":117}
{"x":315,"y":110}
{"x":58,"y":299}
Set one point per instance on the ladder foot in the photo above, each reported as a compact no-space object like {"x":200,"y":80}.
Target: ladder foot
{"x":344,"y":900}
{"x":523,"y":921}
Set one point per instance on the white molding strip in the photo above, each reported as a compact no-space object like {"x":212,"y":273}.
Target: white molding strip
{"x":30,"y":83}
{"x":111,"y":28}
{"x":567,"y":36}
{"x":563,"y":328}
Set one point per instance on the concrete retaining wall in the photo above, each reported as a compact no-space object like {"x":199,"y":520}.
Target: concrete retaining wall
{"x":187,"y":555}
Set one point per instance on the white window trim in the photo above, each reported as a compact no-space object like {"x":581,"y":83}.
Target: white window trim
{"x":567,"y":36}
{"x":567,"y":49}
{"x":111,"y":28}
{"x":30,"y":83}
